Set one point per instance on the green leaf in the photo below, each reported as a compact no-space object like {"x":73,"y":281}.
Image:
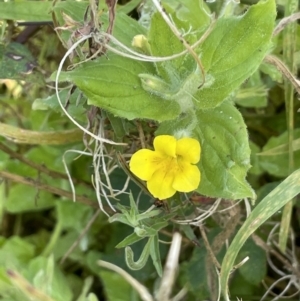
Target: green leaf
{"x":74,"y":10}
{"x":114,"y":85}
{"x":116,"y":287}
{"x":281,"y":149}
{"x":253,"y":94}
{"x":155,"y":254}
{"x":165,"y":44}
{"x":128,"y":7}
{"x":195,"y":276}
{"x":26,"y":10}
{"x":22,"y":198}
{"x":134,"y":210}
{"x":16,"y":62}
{"x":191,"y":18}
{"x":194,"y":14}
{"x":277,"y":164}
{"x":73,"y":215}
{"x":255,"y":166}
{"x":76,"y":104}
{"x":275,"y":200}
{"x":141,"y":262}
{"x":225,"y":157}
{"x":234,"y":50}
{"x":129,"y":240}
{"x":122,"y":218}
{"x":255,"y":269}
{"x":120,"y":127}
{"x":15,"y":252}
{"x":48,"y":278}
{"x":149,"y":214}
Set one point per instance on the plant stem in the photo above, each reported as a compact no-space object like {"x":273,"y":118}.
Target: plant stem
{"x":289,"y":45}
{"x":53,"y":240}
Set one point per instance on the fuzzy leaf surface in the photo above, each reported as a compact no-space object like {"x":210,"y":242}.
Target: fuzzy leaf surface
{"x":234,"y":50}
{"x":113,"y":85}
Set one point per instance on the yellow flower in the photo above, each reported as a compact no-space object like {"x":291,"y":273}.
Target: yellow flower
{"x":170,"y":167}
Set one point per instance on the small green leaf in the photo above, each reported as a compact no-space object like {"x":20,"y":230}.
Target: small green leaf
{"x":277,"y":163}
{"x":129,"y":240}
{"x":165,"y":44}
{"x":52,"y":282}
{"x":255,"y":166}
{"x":128,"y":7}
{"x":74,"y":10}
{"x":122,"y":218}
{"x":134,"y":210}
{"x":191,"y":18}
{"x":115,"y":286}
{"x":253,"y":94}
{"x":119,"y":126}
{"x":275,"y":200}
{"x":155,"y":254}
{"x":254,"y":270}
{"x":195,"y":276}
{"x":140,"y":263}
{"x":15,"y":252}
{"x":234,"y":50}
{"x":76,"y":103}
{"x":149,"y":214}
{"x":160,"y":225}
{"x":194,"y":14}
{"x":281,"y":149}
{"x":80,"y":216}
{"x":22,"y":198}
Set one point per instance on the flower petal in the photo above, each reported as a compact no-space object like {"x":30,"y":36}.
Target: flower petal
{"x":144,"y":163}
{"x":160,"y":184}
{"x":165,"y":144}
{"x":189,"y":149}
{"x":187,"y":178}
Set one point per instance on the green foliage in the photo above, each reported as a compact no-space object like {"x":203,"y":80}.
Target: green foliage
{"x":176,"y":82}
{"x":234,"y":50}
{"x":209,"y":82}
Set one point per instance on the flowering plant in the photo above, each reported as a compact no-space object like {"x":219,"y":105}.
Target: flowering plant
{"x":170,"y":167}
